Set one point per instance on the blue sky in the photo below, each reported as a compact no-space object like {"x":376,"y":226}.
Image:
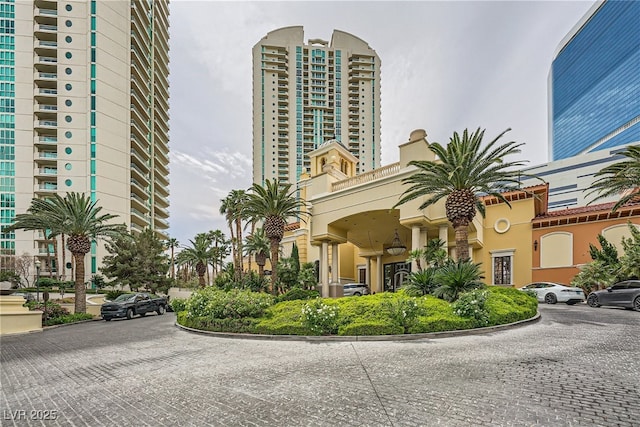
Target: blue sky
{"x":446,"y":66}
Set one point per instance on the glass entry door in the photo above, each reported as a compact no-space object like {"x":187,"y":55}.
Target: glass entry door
{"x":395,"y":274}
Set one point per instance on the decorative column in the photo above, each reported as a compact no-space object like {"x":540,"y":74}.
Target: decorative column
{"x":380,"y":285}
{"x":324,"y":269}
{"x":368,"y":271}
{"x":335,"y":277}
{"x":443,"y":234}
{"x":415,"y":244}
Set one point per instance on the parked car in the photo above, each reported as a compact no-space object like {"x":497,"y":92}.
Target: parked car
{"x":622,"y":294}
{"x":552,"y":293}
{"x":130,"y":305}
{"x":355,"y":289}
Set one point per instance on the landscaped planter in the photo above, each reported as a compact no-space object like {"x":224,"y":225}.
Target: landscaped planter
{"x":380,"y":314}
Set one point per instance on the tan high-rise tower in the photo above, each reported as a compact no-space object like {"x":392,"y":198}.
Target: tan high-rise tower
{"x":307,"y":94}
{"x":89,"y":114}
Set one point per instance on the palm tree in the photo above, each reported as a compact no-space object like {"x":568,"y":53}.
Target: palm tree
{"x":218,"y":240}
{"x":463,"y":172}
{"x":232,"y":207}
{"x":79,"y":218}
{"x":274,"y":203}
{"x":456,"y":277}
{"x":620,"y":179}
{"x":198,"y":255}
{"x":172,"y":244}
{"x":257,"y":244}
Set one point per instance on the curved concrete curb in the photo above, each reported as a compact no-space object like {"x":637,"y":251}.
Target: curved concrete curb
{"x":336,"y":338}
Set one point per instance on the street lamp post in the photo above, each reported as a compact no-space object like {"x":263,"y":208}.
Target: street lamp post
{"x":37,"y":263}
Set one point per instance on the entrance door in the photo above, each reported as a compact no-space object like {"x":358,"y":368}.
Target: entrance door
{"x":395,"y":274}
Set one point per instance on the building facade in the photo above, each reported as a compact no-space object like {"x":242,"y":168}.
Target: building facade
{"x":570,"y":179}
{"x":85,"y":107}
{"x":594,"y":82}
{"x":353,"y":223}
{"x":307,"y":94}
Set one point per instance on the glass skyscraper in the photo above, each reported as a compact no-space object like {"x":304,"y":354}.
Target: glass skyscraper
{"x":595,"y":82}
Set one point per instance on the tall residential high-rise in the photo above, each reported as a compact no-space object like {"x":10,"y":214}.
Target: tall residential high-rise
{"x":84,"y":98}
{"x":307,"y":94}
{"x":594,"y":83}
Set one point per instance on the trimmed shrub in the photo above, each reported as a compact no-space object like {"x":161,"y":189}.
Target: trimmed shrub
{"x":507,"y":305}
{"x":67,"y":318}
{"x":284,"y":318}
{"x":246,"y":325}
{"x":53,"y":309}
{"x":296,"y":294}
{"x":218,"y":304}
{"x":178,"y":304}
{"x":371,"y":328}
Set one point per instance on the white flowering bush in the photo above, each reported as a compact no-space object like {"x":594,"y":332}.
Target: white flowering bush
{"x":472,"y":304}
{"x":403,"y":310}
{"x":321,"y":318}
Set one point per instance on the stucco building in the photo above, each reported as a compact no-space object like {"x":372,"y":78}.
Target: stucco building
{"x":305,"y":94}
{"x":85,"y":109}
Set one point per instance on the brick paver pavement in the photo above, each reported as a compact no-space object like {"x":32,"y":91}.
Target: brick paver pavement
{"x":578,"y":366}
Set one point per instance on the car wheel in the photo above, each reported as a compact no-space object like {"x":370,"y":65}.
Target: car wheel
{"x":636,"y":303}
{"x":107,"y":319}
{"x":592,"y":301}
{"x":144,"y":313}
{"x":357,"y":294}
{"x":130,"y":314}
{"x":550,"y":298}
{"x":160,"y":310}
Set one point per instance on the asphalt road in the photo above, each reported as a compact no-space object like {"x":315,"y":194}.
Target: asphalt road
{"x":577,"y":366}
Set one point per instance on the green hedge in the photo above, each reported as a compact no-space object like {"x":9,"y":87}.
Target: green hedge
{"x":379,"y":314}
{"x":379,"y":327}
{"x":68,"y":318}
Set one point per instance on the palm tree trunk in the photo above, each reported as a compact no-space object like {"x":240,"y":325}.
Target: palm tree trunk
{"x":173,"y":270}
{"x":81,"y":294}
{"x":64,"y":259}
{"x":275,"y":246}
{"x":462,"y":242}
{"x":240,"y":257}
{"x":56,"y":254}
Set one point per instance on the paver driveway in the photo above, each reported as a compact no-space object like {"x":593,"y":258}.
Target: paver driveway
{"x":577,"y":366}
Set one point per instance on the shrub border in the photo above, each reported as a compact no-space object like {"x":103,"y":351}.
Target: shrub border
{"x":351,"y":338}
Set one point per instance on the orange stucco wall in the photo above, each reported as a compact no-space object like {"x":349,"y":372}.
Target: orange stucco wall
{"x":582,"y":235}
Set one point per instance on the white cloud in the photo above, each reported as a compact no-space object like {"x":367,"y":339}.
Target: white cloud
{"x":445,"y":66}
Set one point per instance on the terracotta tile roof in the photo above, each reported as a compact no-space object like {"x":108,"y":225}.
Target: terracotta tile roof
{"x":292,"y":226}
{"x":602,"y":207}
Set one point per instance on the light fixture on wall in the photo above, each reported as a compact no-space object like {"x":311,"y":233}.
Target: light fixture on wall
{"x":396,"y":247}
{"x":535,"y":245}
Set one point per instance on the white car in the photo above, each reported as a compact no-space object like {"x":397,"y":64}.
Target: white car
{"x":552,"y":293}
{"x":355,"y":289}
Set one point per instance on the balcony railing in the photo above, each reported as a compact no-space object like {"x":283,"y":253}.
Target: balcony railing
{"x":48,"y":139}
{"x":382,"y":172}
{"x":51,"y":76}
{"x":45,"y":107}
{"x":47,"y":123}
{"x":45,"y":27}
{"x":47,"y":91}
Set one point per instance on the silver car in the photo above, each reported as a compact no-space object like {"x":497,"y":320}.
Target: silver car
{"x":355,"y":289}
{"x":623,"y":294}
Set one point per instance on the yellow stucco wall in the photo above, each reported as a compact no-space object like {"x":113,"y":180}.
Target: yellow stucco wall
{"x":505,"y":230}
